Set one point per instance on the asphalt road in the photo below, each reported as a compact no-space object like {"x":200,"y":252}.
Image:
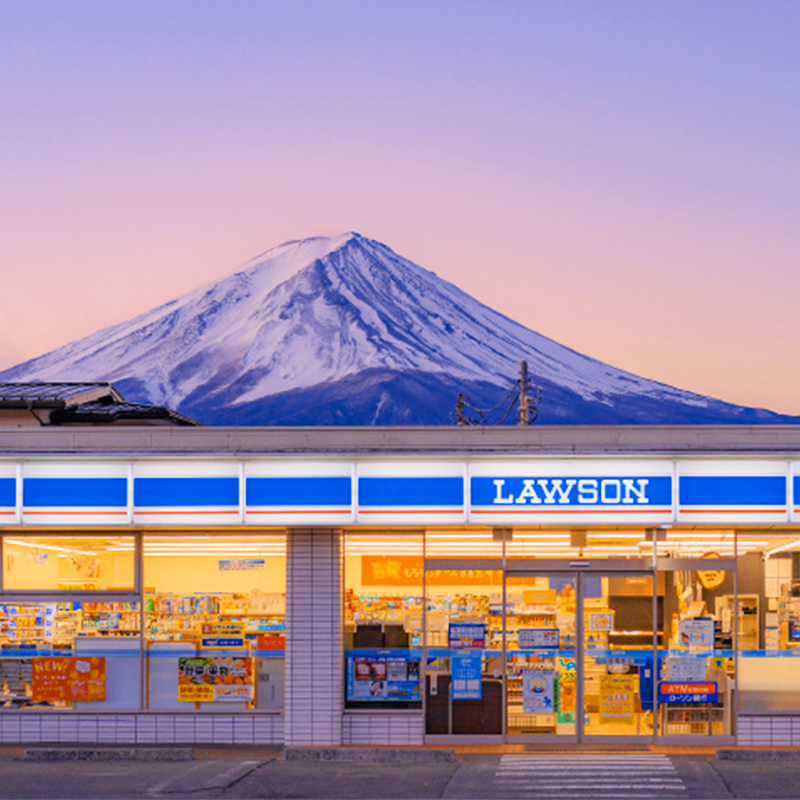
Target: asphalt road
{"x":252,"y":774}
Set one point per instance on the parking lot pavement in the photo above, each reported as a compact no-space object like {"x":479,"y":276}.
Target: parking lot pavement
{"x":700,"y":777}
{"x":314,"y":779}
{"x":235,"y":775}
{"x":125,"y":779}
{"x":755,"y":779}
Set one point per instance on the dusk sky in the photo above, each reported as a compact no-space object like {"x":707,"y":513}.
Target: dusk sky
{"x":623,"y":177}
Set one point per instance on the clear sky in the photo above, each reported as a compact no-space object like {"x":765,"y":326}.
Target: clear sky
{"x":622,"y":176}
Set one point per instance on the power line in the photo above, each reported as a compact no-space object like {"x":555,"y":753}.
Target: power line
{"x":522,"y":395}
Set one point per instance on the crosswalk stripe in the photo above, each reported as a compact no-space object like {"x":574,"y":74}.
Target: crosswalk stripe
{"x":595,"y":776}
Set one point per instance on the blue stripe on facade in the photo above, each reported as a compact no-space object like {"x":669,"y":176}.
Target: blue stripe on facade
{"x":185,"y":492}
{"x":8,"y":492}
{"x":578,"y":490}
{"x":391,"y":492}
{"x":311,"y":491}
{"x":74,"y":492}
{"x":732,"y":490}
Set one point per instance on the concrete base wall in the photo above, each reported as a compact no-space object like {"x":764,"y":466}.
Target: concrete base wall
{"x":71,"y":728}
{"x":373,"y":728}
{"x":779,"y":730}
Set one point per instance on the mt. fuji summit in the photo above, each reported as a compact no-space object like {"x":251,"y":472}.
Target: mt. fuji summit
{"x":343,"y":331}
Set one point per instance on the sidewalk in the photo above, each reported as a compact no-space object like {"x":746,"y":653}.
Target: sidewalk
{"x":470,"y":773}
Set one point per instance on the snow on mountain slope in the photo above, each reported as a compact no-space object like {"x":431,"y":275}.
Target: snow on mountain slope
{"x":318,"y":311}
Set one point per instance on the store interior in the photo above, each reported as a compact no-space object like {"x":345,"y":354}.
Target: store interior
{"x":679,"y":627}
{"x":212,"y":596}
{"x":475,"y":626}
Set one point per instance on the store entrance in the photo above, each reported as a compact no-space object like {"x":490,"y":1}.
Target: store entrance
{"x":579,"y":653}
{"x":609,"y":650}
{"x":546,"y":651}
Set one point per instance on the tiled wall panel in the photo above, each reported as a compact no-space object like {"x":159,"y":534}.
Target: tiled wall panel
{"x":314,"y":671}
{"x":377,"y":728}
{"x":769,"y":731}
{"x":67,"y":728}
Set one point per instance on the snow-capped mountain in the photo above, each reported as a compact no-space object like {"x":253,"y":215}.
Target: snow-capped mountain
{"x":344,"y":331}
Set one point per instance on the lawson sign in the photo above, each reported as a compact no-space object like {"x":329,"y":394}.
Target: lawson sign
{"x":564,"y":497}
{"x":572,"y":491}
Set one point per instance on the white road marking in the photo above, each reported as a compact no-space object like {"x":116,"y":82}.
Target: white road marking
{"x":596,"y":776}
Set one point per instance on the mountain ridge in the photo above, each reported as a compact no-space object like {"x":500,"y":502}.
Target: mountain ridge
{"x":305,"y":318}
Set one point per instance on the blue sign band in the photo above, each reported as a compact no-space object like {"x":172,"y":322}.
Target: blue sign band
{"x":75,"y":492}
{"x":8,"y":492}
{"x":732,"y":490}
{"x":275,"y":492}
{"x":392,"y":492}
{"x":185,"y":492}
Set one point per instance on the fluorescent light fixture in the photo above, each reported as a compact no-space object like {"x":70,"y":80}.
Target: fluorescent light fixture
{"x":782,"y":548}
{"x":69,"y":550}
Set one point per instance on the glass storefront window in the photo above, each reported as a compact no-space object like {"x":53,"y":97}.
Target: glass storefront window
{"x":67,"y":563}
{"x":215,"y":621}
{"x":618,"y":653}
{"x":214,"y":613}
{"x":82,"y":654}
{"x":541,"y":654}
{"x":768,"y":621}
{"x":697,"y":663}
{"x":464,"y":655}
{"x":383,"y":573}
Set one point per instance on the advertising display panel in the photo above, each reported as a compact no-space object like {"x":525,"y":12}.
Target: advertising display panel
{"x":68,"y":679}
{"x":539,"y":638}
{"x":466,"y":635}
{"x":466,"y":668}
{"x":383,"y":675}
{"x":617,"y":694}
{"x":696,"y":632}
{"x":538,"y":691}
{"x":205,"y":679}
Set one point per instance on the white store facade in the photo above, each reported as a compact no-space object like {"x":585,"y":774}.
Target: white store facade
{"x":400,"y":586}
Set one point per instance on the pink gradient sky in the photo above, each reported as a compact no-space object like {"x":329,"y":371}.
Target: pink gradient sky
{"x":623,"y":177}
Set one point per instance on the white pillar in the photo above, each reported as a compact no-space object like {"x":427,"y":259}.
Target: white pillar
{"x":314,"y":615}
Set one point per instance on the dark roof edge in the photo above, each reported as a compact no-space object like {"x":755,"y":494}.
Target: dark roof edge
{"x":781,"y":441}
{"x":115,"y":413}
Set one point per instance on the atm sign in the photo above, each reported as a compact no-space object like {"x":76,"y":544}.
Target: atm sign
{"x":676,"y":692}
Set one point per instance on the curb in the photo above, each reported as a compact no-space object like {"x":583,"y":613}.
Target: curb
{"x":367,"y":755}
{"x":758,"y":755}
{"x":52,"y":754}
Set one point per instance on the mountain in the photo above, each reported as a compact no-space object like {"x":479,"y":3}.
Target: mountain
{"x":344,"y":331}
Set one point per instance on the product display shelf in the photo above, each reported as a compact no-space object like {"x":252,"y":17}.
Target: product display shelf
{"x":789,"y":616}
{"x":16,"y":678}
{"x":102,"y":623}
{"x":178,"y":618}
{"x":695,"y":721}
{"x":519,"y":616}
{"x":27,"y":623}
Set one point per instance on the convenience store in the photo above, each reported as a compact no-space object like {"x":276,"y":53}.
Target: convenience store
{"x":401,"y":586}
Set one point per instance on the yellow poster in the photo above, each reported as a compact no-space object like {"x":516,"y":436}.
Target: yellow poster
{"x":204,"y":679}
{"x":194,"y":693}
{"x":617,"y":693}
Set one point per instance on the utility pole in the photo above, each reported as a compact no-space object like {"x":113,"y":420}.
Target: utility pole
{"x":461,"y":417}
{"x":527,"y":400}
{"x":524,"y":395}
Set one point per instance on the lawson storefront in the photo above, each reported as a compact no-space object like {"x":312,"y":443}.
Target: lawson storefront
{"x":400,"y":586}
